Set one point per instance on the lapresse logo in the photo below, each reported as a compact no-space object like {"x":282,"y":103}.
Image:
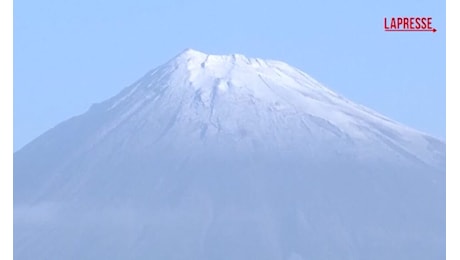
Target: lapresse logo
{"x":408,"y":24}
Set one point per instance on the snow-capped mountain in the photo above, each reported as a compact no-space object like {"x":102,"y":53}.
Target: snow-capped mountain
{"x":229,"y":157}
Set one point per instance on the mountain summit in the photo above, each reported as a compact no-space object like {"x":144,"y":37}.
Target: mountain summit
{"x":229,"y":157}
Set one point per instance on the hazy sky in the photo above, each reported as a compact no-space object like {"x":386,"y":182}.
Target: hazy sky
{"x":71,"y":54}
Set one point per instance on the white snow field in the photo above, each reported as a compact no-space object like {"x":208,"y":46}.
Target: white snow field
{"x":228,"y":157}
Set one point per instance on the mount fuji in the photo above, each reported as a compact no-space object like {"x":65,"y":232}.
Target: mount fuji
{"x":229,"y":157}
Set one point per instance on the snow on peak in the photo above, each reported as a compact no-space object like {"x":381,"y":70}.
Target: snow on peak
{"x":197,"y":65}
{"x":234,"y":94}
{"x":190,"y":53}
{"x":196,"y":58}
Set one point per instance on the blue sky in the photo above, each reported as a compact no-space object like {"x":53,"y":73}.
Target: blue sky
{"x":71,"y":54}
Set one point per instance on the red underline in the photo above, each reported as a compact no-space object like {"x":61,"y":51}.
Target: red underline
{"x":408,"y":30}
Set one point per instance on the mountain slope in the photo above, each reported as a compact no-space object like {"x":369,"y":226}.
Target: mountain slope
{"x":229,"y":157}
